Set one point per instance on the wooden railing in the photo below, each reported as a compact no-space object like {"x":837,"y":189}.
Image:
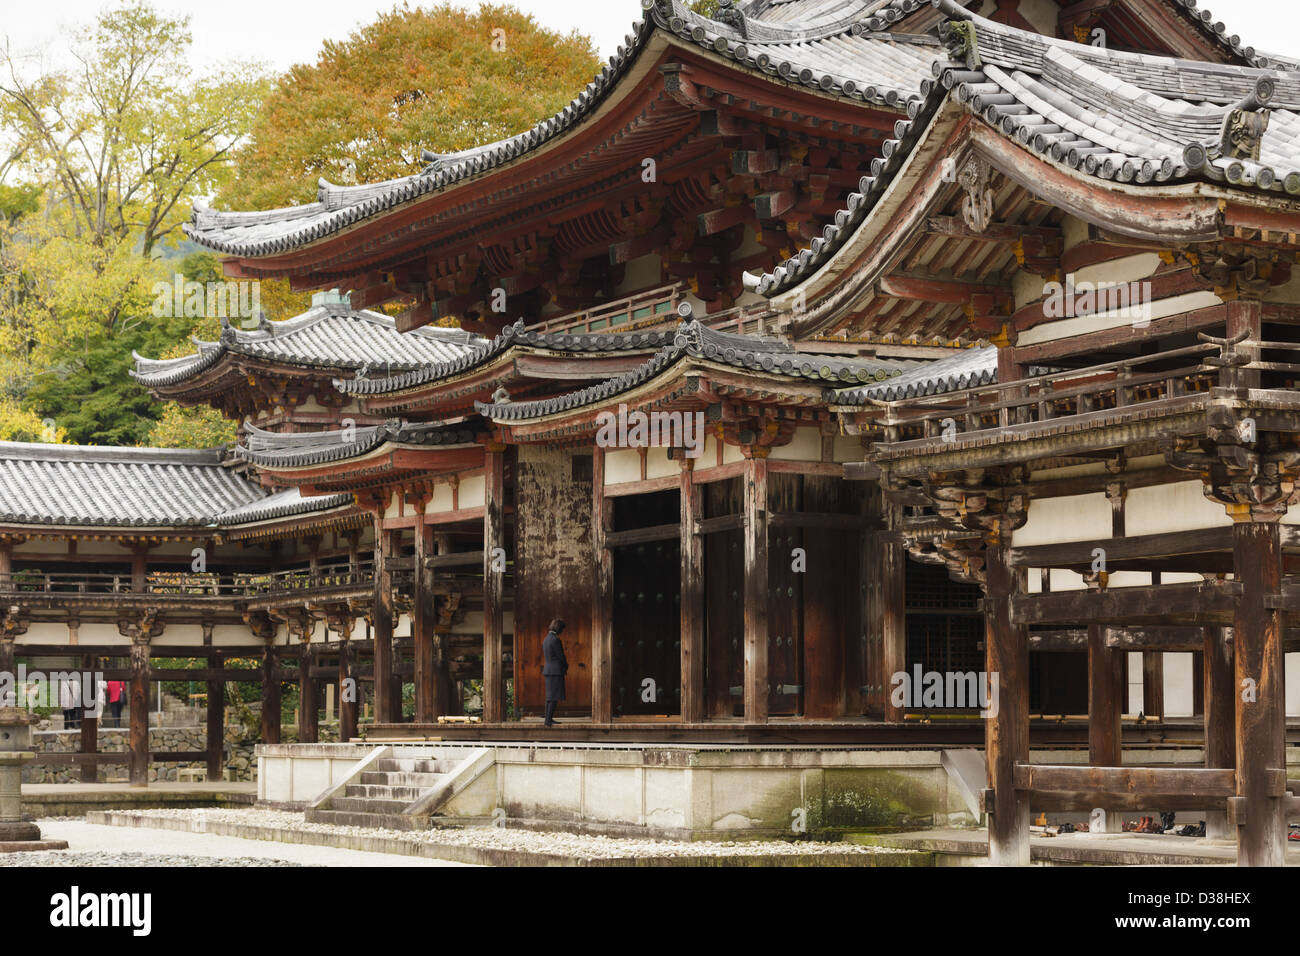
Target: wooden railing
{"x":1111,"y":385}
{"x":238,"y":584}
{"x":652,"y":307}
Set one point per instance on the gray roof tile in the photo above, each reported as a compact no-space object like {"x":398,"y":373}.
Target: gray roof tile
{"x":328,"y":337}
{"x":967,"y":369}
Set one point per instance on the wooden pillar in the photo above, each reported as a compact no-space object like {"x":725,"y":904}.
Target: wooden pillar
{"x":1105,"y":709}
{"x":427,"y":704}
{"x":8,"y":666}
{"x":90,"y":725}
{"x":1220,"y":713}
{"x":216,"y":721}
{"x":755,"y":496}
{"x":270,"y":696}
{"x":1259,"y":695}
{"x":602,"y":601}
{"x":692,"y":608}
{"x":6,"y":561}
{"x":1006,"y":734}
{"x":1153,"y":684}
{"x":383,"y":623}
{"x":139,"y":567}
{"x":887,"y":597}
{"x":348,"y":693}
{"x":308,"y":705}
{"x":139,"y":702}
{"x":494,"y":529}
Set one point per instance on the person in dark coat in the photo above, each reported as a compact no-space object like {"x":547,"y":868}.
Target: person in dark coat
{"x":554,"y":667}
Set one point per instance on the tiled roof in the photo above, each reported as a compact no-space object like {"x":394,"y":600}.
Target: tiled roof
{"x":1110,"y":114}
{"x":512,"y":335}
{"x":327,"y":336}
{"x":691,"y":339}
{"x":281,"y":504}
{"x":967,"y":369}
{"x":826,"y":47}
{"x":269,"y":449}
{"x":117,"y":487}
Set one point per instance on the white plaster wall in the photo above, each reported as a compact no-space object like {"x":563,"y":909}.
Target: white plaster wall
{"x":473,"y":491}
{"x":659,"y":465}
{"x":1181,"y":506}
{"x":394,"y":507}
{"x":1100,"y":321}
{"x":1073,"y":518}
{"x":806,"y":445}
{"x":731,"y":453}
{"x":1134,"y":682}
{"x":1178,"y":684}
{"x":441,"y":500}
{"x":622,"y":465}
{"x":1291,"y":680}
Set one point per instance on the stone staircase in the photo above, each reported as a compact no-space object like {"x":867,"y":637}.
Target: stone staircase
{"x":401,"y":788}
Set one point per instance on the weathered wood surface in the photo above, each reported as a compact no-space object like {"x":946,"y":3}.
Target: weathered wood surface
{"x":691,"y":502}
{"x":756,"y":591}
{"x":1006,"y":654}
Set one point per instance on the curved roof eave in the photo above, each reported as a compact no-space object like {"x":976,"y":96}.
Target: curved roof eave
{"x":666,"y":22}
{"x":957,"y":90}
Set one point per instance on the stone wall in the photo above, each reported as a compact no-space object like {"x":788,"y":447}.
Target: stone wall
{"x":240,"y":762}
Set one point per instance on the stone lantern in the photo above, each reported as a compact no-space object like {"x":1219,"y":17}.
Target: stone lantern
{"x":15,"y":739}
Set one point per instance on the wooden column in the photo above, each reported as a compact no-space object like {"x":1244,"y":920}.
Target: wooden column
{"x":602,"y":601}
{"x":692,"y":609}
{"x":270,"y":696}
{"x":6,"y":561}
{"x":423,"y":617}
{"x":216,"y":721}
{"x":1261,"y":715}
{"x":887,"y":597}
{"x":139,"y":703}
{"x":1220,"y":718}
{"x":308,"y":714}
{"x":383,"y":624}
{"x":1006,"y":734}
{"x":755,"y":497}
{"x":349,"y":693}
{"x":1105,"y":709}
{"x":90,"y":725}
{"x":1153,"y":684}
{"x":8,"y":666}
{"x":139,"y":567}
{"x":494,"y":542}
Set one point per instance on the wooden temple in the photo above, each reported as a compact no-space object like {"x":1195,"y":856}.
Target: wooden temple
{"x":988,"y":321}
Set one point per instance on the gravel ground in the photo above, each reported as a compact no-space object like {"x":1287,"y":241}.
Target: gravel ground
{"x":501,"y":838}
{"x":118,"y":859}
{"x":99,"y":845}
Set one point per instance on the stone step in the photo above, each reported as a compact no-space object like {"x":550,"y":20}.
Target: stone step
{"x":368,"y":805}
{"x":396,"y":778}
{"x":413,"y":765}
{"x":374,"y":821}
{"x":376,"y":791}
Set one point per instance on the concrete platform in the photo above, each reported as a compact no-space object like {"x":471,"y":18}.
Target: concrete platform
{"x":960,"y":847}
{"x":43,"y":800}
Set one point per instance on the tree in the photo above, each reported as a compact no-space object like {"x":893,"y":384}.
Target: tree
{"x":200,"y":427}
{"x":443,"y":79}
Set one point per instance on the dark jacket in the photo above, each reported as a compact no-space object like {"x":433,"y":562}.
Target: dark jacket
{"x":554,"y":667}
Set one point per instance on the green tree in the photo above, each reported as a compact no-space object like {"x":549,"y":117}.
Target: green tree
{"x":442,"y":78}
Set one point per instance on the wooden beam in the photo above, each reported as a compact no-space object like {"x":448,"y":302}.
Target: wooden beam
{"x":216,"y":722}
{"x":1105,"y":705}
{"x":453,"y":560}
{"x":1147,"y":781}
{"x":754,"y":481}
{"x":692,"y":597}
{"x":493,"y":582}
{"x":661,"y":532}
{"x":951,"y":291}
{"x":139,"y":704}
{"x":1219,"y":716}
{"x":382,"y":622}
{"x":1165,"y":603}
{"x":1259,"y":694}
{"x":1079,"y":554}
{"x":270,"y":697}
{"x":602,"y":599}
{"x":1006,"y":732}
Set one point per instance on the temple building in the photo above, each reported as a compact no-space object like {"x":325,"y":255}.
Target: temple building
{"x":814,"y":348}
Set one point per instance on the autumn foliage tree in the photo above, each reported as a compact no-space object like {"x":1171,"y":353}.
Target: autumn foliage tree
{"x":442,"y":79}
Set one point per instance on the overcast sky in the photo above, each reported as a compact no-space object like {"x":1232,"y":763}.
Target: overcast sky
{"x":283,"y":32}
